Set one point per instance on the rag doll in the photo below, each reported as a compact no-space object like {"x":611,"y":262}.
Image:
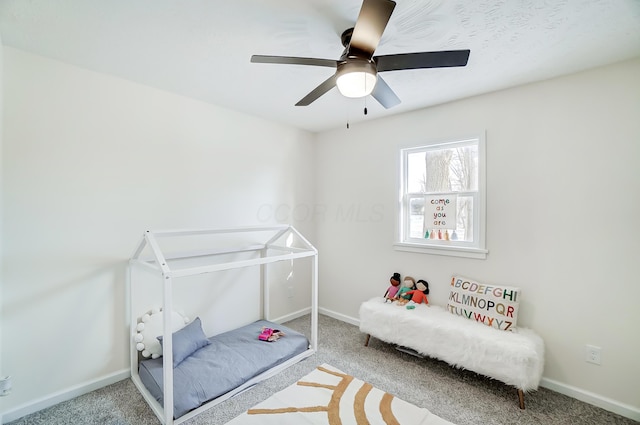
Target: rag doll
{"x":419,"y":295}
{"x":408,"y":284}
{"x":270,"y":335}
{"x":392,"y":290}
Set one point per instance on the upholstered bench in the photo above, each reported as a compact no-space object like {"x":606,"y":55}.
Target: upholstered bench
{"x":515,"y":358}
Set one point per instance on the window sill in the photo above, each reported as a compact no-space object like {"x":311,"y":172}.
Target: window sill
{"x":451,"y":251}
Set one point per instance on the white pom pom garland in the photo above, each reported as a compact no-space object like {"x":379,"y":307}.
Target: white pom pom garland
{"x":150,"y":327}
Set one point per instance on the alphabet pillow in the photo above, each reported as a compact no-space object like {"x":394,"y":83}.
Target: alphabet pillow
{"x":492,"y":305}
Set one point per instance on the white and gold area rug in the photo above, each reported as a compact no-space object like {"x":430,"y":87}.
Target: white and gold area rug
{"x":330,"y":396}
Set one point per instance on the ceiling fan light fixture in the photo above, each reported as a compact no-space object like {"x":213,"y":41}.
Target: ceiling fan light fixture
{"x":356,"y":78}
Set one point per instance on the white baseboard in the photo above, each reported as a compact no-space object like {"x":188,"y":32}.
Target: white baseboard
{"x":330,"y":313}
{"x":597,"y":400}
{"x":291,"y":316}
{"x":339,"y":316}
{"x":64,"y":395}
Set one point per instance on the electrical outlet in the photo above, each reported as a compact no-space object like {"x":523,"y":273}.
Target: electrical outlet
{"x":593,"y":354}
{"x":290,"y":292}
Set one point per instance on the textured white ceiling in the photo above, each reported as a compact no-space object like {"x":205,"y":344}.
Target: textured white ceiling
{"x":201,"y":48}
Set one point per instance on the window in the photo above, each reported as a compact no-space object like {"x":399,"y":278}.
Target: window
{"x":442,"y":198}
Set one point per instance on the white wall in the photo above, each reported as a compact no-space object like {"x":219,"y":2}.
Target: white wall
{"x":1,"y":214}
{"x":563,"y":206}
{"x":89,"y":163}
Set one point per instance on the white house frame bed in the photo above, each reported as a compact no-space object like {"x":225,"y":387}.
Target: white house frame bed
{"x":160,"y":264}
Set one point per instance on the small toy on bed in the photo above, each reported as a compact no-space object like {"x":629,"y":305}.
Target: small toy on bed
{"x":270,"y":335}
{"x":419,"y":295}
{"x":392,"y":290}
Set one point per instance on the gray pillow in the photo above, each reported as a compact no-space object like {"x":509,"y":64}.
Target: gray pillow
{"x":187,"y":341}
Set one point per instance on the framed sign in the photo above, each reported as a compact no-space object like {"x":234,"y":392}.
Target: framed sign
{"x":440,"y":211}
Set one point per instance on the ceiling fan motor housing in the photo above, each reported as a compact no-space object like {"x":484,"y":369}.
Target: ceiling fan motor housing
{"x":356,"y":77}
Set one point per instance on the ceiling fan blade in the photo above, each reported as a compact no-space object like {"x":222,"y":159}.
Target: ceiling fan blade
{"x":443,"y":59}
{"x":327,"y":85}
{"x":384,"y":95}
{"x":372,"y":20}
{"x":289,"y":60}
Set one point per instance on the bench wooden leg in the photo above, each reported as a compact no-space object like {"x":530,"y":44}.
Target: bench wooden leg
{"x":521,"y":398}
{"x":366,"y":341}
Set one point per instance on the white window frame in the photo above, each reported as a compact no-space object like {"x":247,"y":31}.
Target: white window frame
{"x":477,"y":248}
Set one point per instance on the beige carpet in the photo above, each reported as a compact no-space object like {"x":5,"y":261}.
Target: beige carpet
{"x":329,"y":396}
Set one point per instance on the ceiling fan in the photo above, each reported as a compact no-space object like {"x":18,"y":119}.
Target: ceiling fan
{"x":357,"y":69}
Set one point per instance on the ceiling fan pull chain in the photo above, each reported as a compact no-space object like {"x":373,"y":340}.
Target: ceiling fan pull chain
{"x":348,"y":113}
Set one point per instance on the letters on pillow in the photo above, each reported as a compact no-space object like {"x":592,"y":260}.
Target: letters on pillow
{"x":492,"y":305}
{"x":187,"y":341}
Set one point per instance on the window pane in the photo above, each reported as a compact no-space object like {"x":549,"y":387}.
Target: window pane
{"x":452,"y":169}
{"x":416,"y":172}
{"x":464,"y":220}
{"x":463,"y":169}
{"x":416,"y":217}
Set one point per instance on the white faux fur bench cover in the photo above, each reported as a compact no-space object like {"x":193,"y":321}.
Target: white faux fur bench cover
{"x":515,"y":358}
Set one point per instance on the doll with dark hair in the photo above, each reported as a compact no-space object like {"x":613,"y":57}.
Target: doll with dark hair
{"x":392,"y":290}
{"x":419,"y":295}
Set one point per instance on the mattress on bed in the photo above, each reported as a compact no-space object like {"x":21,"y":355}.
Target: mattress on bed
{"x":230,"y":360}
